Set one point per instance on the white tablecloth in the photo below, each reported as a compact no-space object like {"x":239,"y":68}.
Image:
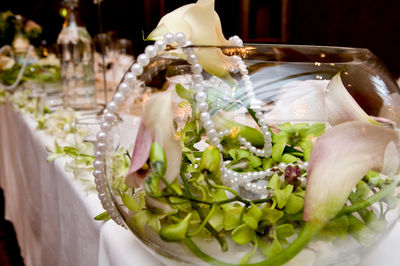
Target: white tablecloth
{"x":53,"y":216}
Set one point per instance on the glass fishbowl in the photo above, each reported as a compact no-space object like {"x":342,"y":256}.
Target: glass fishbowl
{"x":261,"y":154}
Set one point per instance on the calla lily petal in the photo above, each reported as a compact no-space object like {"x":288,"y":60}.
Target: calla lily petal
{"x":158,"y":119}
{"x":205,"y":24}
{"x":140,"y":155}
{"x":172,"y":22}
{"x":341,"y":105}
{"x":340,"y":159}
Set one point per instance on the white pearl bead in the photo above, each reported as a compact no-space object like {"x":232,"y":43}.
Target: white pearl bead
{"x":129,"y":78}
{"x":282,"y":165}
{"x":123,"y":87}
{"x":143,"y":59}
{"x":198,"y":87}
{"x":212,"y":133}
{"x":160,"y":45}
{"x":101,"y":136}
{"x":208,"y":124}
{"x":192,"y":59}
{"x":203,"y":107}
{"x":151,"y":51}
{"x":204,"y":116}
{"x":109,"y":117}
{"x":219,"y":146}
{"x":253,"y":149}
{"x":98,"y":165}
{"x":112,"y":107}
{"x":180,"y":38}
{"x":197,"y":78}
{"x":262,"y":122}
{"x":244,"y":71}
{"x":98,"y":180}
{"x":105,"y":126}
{"x":246,"y":78}
{"x":259,"y":115}
{"x":169,"y":38}
{"x":118,"y":98}
{"x":101,"y":146}
{"x":196,"y":68}
{"x":98,"y":174}
{"x":214,"y":141}
{"x":100,"y":155}
{"x":200,"y":96}
{"x":137,"y":69}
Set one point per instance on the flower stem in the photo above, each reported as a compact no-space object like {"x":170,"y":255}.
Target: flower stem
{"x":308,"y":231}
{"x":369,"y":201}
{"x":204,"y":222}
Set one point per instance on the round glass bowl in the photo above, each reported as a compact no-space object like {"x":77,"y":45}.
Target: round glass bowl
{"x":224,"y":140}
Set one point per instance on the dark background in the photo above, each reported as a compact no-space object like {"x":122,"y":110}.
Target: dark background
{"x":358,"y":23}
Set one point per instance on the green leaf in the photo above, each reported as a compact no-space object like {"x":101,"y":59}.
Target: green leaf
{"x":186,"y":94}
{"x":306,"y":146}
{"x":360,"y":231}
{"x":373,"y":178}
{"x":232,"y":217}
{"x":362,"y":190}
{"x":271,"y":215}
{"x":283,"y":231}
{"x":104,"y":216}
{"x":313,"y":130}
{"x":337,"y":227}
{"x":234,"y":154}
{"x":217,"y":219}
{"x":140,"y":219}
{"x":271,"y":249}
{"x":242,"y":154}
{"x":288,"y":158}
{"x":294,"y":204}
{"x":274,"y":182}
{"x":280,"y":140}
{"x":130,"y":202}
{"x":176,"y":232}
{"x":245,"y":259}
{"x":243,"y":234}
{"x":254,"y":161}
{"x":253,"y":216}
{"x":267,"y":163}
{"x":282,"y":195}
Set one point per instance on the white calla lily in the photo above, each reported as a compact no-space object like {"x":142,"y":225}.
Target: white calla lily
{"x":199,"y":22}
{"x":341,"y":105}
{"x":339,"y":160}
{"x":156,"y":126}
{"x":202,"y":26}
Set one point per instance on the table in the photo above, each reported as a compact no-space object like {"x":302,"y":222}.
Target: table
{"x":53,"y":214}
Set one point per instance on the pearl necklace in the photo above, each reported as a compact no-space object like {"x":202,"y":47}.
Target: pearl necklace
{"x":229,"y":177}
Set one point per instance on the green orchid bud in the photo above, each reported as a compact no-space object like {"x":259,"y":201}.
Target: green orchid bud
{"x":176,"y":232}
{"x":158,"y":158}
{"x":210,"y":161}
{"x":252,"y":135}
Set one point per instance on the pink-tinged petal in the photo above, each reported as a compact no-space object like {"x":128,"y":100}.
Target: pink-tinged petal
{"x":339,"y":160}
{"x":341,"y":105}
{"x":140,"y":155}
{"x":159,"y":120}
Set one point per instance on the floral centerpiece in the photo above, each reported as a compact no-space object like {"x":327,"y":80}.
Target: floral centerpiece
{"x":252,"y":158}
